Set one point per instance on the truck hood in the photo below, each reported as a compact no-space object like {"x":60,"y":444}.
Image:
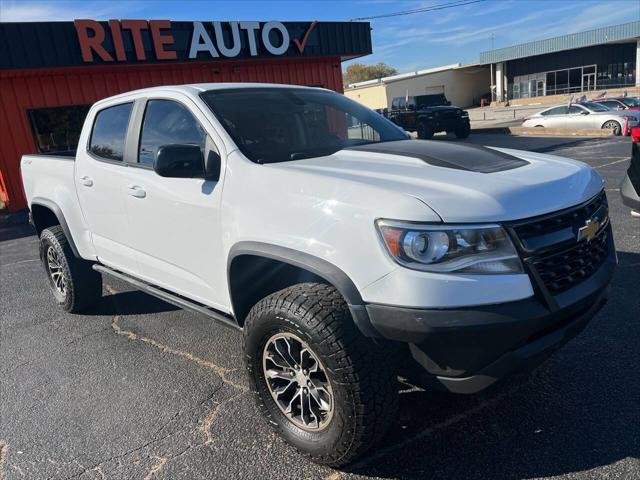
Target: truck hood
{"x":462,"y":182}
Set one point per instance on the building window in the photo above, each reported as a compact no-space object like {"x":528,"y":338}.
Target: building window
{"x":57,"y":130}
{"x":575,"y":80}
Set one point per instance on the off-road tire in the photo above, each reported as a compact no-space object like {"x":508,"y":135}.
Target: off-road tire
{"x":83,"y":284}
{"x":361,"y":372}
{"x":424,"y":131}
{"x":463,"y":132}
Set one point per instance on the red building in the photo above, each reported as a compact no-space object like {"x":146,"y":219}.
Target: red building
{"x":50,"y":73}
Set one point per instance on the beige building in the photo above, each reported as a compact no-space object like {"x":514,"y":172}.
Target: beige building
{"x":462,"y":85}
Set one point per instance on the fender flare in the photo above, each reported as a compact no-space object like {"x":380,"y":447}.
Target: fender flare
{"x":322,"y":268}
{"x":57,"y":211}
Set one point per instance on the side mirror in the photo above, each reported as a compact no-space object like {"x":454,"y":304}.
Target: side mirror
{"x":179,"y":161}
{"x":584,"y":112}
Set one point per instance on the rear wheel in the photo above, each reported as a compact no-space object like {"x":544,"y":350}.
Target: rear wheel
{"x":612,"y":125}
{"x":424,"y":131}
{"x":74,"y":284}
{"x":323,"y":386}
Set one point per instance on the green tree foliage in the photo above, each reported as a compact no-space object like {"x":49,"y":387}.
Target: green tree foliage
{"x":359,"y":72}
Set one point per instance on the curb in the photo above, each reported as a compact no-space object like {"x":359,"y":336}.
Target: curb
{"x":547,"y":132}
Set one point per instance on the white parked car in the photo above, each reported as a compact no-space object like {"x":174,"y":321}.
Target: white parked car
{"x":584,"y":115}
{"x":340,"y":253}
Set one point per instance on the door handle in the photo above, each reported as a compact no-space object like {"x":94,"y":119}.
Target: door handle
{"x":136,"y":191}
{"x":86,"y":181}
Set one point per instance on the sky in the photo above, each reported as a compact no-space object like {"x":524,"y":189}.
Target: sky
{"x":408,"y":43}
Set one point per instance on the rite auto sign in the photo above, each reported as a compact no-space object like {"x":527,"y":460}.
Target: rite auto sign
{"x":207,"y":40}
{"x":92,"y":43}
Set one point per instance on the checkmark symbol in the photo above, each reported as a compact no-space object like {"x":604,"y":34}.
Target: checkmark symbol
{"x":303,"y":44}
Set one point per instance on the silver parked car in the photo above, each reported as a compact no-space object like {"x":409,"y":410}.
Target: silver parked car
{"x":583,"y":115}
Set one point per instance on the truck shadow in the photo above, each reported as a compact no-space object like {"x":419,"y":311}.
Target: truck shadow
{"x":576,"y":412}
{"x":132,"y":302}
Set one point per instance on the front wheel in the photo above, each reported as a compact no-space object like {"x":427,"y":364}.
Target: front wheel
{"x":463,"y":132}
{"x":74,"y":284}
{"x":323,"y":386}
{"x":424,"y":131}
{"x":612,"y":125}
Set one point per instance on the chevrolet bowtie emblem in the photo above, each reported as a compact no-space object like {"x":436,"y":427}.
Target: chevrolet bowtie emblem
{"x":589,"y":231}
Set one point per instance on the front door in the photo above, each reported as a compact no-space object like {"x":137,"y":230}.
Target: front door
{"x":101,"y":178}
{"x":588,"y":82}
{"x":175,"y":222}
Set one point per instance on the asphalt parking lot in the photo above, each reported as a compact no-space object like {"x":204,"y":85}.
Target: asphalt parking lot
{"x":138,"y":389}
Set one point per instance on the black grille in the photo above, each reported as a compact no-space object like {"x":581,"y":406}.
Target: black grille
{"x":559,"y":227}
{"x":551,"y":247}
{"x":565,"y":269}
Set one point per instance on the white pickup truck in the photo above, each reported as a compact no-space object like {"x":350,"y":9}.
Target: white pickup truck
{"x":340,"y":247}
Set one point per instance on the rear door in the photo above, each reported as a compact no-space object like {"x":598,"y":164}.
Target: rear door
{"x":555,"y":117}
{"x":101,"y":179}
{"x":175,"y":222}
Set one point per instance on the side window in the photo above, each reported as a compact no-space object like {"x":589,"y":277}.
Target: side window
{"x":555,"y":111}
{"x":110,"y":131}
{"x":167,"y":122}
{"x":574,"y":109}
{"x":611,"y":104}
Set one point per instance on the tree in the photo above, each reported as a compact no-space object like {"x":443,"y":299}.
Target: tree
{"x":359,"y":72}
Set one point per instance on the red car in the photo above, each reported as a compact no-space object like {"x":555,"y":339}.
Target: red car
{"x":630,"y":187}
{"x":620,"y":103}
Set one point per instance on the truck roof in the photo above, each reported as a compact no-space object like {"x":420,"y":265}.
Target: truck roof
{"x":193,"y":89}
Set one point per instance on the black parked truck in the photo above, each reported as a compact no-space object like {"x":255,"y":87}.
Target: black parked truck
{"x":429,"y":114}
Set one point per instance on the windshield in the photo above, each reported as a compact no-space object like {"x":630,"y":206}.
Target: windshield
{"x":431,"y":100}
{"x":595,"y":107}
{"x":281,"y":124}
{"x":630,"y":102}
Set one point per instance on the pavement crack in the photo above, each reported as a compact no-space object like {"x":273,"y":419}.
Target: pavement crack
{"x":4,"y":447}
{"x":156,"y":468}
{"x":222,"y":372}
{"x":207,"y":421}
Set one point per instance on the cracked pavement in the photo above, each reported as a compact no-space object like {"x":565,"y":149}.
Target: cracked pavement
{"x":139,"y":389}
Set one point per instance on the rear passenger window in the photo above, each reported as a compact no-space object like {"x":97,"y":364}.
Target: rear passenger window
{"x":110,"y":131}
{"x":555,"y":111}
{"x":168,"y":123}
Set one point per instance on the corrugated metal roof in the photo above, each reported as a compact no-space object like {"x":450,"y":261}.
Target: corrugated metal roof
{"x":402,"y":76}
{"x":614,"y":33}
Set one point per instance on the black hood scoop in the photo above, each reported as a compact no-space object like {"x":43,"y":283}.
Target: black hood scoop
{"x":460,"y":156}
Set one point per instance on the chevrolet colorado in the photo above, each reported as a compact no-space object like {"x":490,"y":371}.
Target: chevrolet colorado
{"x":332,"y":240}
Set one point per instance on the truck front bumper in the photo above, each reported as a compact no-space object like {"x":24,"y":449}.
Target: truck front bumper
{"x":467,"y":349}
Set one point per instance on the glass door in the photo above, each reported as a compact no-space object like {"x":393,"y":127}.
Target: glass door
{"x":540,"y":88}
{"x":588,"y":82}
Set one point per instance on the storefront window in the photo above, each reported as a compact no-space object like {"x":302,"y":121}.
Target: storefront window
{"x":57,"y":130}
{"x":575,"y":80}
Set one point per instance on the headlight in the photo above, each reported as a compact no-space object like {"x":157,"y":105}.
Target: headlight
{"x":472,"y":249}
